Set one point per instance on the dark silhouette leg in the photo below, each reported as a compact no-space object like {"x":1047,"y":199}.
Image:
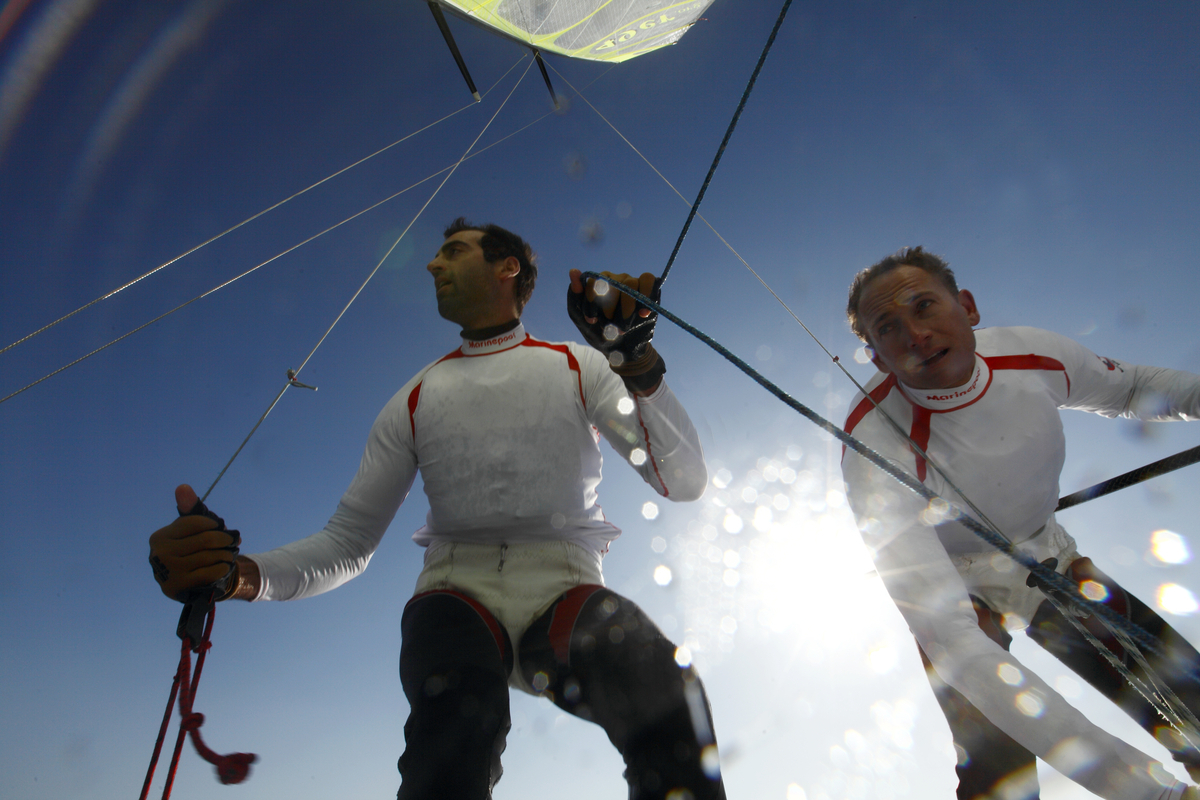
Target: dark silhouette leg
{"x":599,"y":657}
{"x":1180,"y":670}
{"x":454,"y":665}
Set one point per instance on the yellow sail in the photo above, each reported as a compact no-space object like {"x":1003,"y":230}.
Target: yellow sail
{"x":598,"y":30}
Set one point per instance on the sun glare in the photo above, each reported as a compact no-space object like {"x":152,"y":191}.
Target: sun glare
{"x":1177,"y":600}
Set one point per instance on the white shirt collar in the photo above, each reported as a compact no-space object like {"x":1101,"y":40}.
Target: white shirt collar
{"x":496,"y":344}
{"x":956,"y":397}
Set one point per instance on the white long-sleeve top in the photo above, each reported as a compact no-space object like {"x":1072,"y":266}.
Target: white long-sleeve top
{"x":505,"y":433}
{"x":1000,"y":439}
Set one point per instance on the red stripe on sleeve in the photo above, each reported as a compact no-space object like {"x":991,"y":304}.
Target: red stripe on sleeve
{"x":650,"y":450}
{"x":1029,"y":361}
{"x":413,"y":398}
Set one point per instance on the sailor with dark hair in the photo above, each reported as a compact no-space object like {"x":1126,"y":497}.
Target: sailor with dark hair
{"x":505,"y":433}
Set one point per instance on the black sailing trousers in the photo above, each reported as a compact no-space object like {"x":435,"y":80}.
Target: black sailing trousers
{"x":594,"y":653}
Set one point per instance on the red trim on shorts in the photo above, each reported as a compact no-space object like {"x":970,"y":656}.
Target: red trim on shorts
{"x":562,"y":622}
{"x":488,"y":618}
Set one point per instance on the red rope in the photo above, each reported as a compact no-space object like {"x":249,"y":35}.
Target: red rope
{"x":233,"y":768}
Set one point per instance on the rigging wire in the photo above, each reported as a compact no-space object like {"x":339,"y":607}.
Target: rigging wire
{"x":762,"y":59}
{"x":250,"y":219}
{"x":294,"y":373}
{"x":294,"y":247}
{"x":1124,"y":480}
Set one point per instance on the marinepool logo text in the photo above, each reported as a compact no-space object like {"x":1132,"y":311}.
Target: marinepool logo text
{"x":508,"y":337}
{"x":956,"y":395}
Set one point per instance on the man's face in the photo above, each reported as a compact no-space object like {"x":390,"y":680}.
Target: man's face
{"x":470,"y":291}
{"x":920,"y":331}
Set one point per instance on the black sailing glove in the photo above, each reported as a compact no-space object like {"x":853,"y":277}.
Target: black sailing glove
{"x":612,"y":322}
{"x":195,"y":556}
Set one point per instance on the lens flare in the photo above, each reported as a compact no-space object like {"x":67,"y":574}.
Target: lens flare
{"x":1030,"y":704}
{"x":1169,"y":547}
{"x":1177,"y":600}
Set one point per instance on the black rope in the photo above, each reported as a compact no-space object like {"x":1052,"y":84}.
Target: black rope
{"x":1048,"y":577}
{"x":728,"y":133}
{"x":1161,"y":467}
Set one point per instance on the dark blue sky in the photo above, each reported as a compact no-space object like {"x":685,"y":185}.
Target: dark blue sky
{"x":1047,"y":151}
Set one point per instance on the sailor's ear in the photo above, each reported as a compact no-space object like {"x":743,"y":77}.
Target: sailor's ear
{"x":967,"y":301}
{"x":508,"y":268}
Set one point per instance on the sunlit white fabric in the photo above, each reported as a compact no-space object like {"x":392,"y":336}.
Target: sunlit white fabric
{"x":506,"y":436}
{"x":1000,"y":439}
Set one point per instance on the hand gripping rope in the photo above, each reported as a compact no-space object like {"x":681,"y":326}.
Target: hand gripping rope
{"x":1059,"y":589}
{"x":195,"y":630}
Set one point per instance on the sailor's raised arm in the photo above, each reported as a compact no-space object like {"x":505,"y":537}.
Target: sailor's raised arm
{"x":626,"y":397}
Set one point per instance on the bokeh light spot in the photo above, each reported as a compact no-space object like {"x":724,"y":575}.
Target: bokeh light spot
{"x":732,"y":523}
{"x":658,"y":544}
{"x":625,"y":405}
{"x":722,"y":478}
{"x":795,"y":792}
{"x":1030,"y":704}
{"x":1176,"y":599}
{"x":662,"y":575}
{"x":637,"y":457}
{"x":1010,"y":674}
{"x":936,"y":512}
{"x":1094,"y":591}
{"x":683,"y":656}
{"x":1169,"y":547}
{"x":650,"y":510}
